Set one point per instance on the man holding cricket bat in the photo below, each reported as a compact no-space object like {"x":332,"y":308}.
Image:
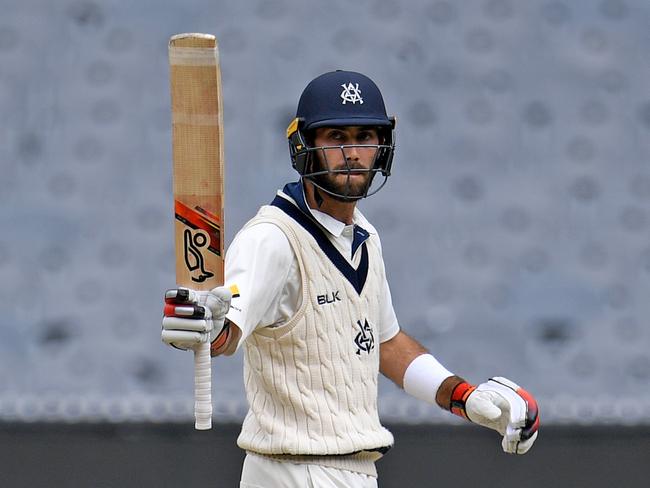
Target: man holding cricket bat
{"x":314,"y":316}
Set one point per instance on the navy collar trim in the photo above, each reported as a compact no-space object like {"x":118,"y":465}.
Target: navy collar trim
{"x":296,"y":191}
{"x":360,"y":236}
{"x":356,"y":277}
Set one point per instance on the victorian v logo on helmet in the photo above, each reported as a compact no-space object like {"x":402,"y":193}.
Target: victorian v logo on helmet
{"x":341,"y":99}
{"x":351,"y":93}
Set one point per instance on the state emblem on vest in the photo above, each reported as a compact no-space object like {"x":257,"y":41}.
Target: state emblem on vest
{"x":365,"y":339}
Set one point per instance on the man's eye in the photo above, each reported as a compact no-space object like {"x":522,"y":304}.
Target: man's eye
{"x":365,"y":136}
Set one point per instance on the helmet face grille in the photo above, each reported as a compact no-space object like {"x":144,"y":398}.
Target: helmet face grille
{"x":314,"y":165}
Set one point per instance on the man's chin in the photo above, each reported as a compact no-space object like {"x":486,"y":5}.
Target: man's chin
{"x":341,"y":192}
{"x":352,"y":192}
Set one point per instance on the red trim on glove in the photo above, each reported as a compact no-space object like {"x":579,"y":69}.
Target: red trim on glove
{"x":184,"y":311}
{"x":532,"y":415}
{"x":221,"y":339}
{"x":459,"y":397}
{"x":169,"y":310}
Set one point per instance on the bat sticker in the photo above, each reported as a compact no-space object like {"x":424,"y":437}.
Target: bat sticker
{"x":193,"y":258}
{"x":202,"y":235}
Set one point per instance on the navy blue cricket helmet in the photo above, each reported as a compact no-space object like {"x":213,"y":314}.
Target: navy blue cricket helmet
{"x":337,"y":99}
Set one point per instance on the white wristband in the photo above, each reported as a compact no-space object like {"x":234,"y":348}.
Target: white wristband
{"x":424,"y":376}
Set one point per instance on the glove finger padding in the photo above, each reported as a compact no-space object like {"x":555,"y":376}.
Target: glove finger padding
{"x":502,"y":405}
{"x":181,"y":339}
{"x":196,"y":325}
{"x":519,"y":446}
{"x":192,"y":317}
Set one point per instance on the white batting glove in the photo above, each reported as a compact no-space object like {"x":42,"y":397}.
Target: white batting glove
{"x":193,"y":317}
{"x":501,"y":405}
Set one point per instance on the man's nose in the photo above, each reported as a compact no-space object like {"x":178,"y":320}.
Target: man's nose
{"x":351,"y":153}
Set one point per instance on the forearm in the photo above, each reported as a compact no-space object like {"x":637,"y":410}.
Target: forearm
{"x":425,"y":378}
{"x":397,"y":354}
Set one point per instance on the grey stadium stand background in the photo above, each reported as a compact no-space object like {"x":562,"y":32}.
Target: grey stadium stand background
{"x":515,"y":226}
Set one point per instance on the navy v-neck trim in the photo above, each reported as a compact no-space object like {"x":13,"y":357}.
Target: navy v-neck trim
{"x":356,"y":277}
{"x":360,"y":236}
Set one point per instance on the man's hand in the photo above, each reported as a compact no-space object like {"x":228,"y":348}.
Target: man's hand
{"x":502,"y":405}
{"x":192,"y":317}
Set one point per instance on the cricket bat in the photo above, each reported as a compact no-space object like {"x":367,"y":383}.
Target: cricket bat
{"x":198,"y":159}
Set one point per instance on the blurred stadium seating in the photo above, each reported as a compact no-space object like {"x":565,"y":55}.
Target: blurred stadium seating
{"x":515,"y":226}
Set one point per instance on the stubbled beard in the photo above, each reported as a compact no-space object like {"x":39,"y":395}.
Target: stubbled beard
{"x":347,"y":190}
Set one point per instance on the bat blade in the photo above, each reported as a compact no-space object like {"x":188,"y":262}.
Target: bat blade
{"x":198,"y":175}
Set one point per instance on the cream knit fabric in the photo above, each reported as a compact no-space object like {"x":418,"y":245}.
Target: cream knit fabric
{"x":311,"y":383}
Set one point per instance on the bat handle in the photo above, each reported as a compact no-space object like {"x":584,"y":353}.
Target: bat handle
{"x":202,"y":387}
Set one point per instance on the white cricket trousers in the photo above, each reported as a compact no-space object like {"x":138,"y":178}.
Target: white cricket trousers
{"x":261,"y":472}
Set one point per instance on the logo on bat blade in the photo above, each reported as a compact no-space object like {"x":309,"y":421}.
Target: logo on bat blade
{"x":194,"y":243}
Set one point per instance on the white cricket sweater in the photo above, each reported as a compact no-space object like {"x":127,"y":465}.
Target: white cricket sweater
{"x":311,"y":383}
